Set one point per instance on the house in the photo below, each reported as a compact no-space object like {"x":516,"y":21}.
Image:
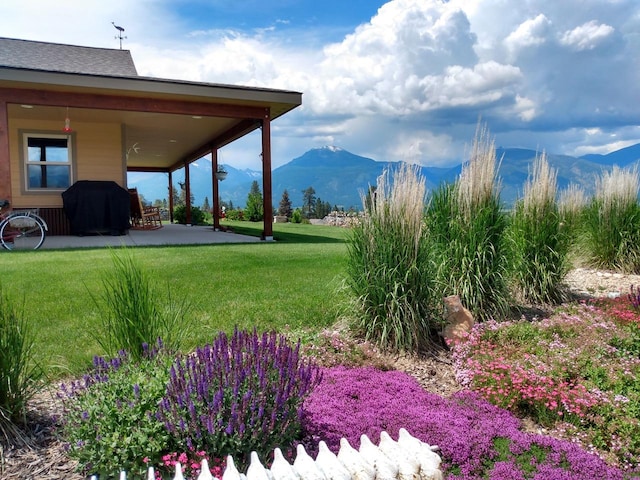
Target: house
{"x":71,"y":113}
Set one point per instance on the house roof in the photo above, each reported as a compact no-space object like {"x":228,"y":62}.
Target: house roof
{"x":167,"y":121}
{"x":65,"y":58}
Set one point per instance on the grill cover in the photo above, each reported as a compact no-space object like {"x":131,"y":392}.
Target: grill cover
{"x":97,"y":207}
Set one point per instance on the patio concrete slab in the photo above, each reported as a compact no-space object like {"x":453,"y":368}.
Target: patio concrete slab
{"x":169,"y":234}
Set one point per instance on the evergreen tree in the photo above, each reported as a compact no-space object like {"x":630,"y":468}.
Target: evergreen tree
{"x":285,"y":207}
{"x":308,"y":201}
{"x":205,"y":206}
{"x":183,"y":195}
{"x":254,"y":211}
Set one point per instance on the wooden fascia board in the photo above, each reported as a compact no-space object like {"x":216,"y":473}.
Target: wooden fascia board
{"x":147,"y":169}
{"x":129,"y":103}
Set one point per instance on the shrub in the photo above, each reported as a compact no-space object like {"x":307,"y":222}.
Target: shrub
{"x":539,"y":241}
{"x":133,"y":314}
{"x":477,"y":440}
{"x":20,"y":375}
{"x":467,"y":230}
{"x":298,"y":217}
{"x":389,"y":267}
{"x":109,"y":420}
{"x":235,"y":214}
{"x":238,"y":395}
{"x":612,"y":221}
{"x":197,"y":215}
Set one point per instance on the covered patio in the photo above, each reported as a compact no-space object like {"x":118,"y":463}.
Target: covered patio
{"x":170,"y":234}
{"x":113,"y":121}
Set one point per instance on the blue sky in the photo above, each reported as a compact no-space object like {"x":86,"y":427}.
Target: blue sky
{"x":398,"y":80}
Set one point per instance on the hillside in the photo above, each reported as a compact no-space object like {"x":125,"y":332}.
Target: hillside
{"x":338,"y":176}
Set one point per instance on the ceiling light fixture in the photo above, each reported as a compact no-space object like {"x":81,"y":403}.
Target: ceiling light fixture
{"x":67,"y":123}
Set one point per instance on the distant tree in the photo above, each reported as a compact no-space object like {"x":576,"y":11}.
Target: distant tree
{"x":176,"y":197}
{"x":308,"y":201}
{"x":183,"y":194}
{"x":370,"y":198}
{"x":254,"y":211}
{"x":205,"y":206}
{"x":164,"y":203}
{"x":285,"y":207}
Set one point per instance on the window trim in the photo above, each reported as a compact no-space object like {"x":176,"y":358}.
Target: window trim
{"x":24,"y":136}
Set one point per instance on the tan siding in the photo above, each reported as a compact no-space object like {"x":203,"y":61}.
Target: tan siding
{"x":98,"y":156}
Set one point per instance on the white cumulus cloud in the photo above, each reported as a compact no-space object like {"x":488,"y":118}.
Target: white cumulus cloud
{"x":586,"y":36}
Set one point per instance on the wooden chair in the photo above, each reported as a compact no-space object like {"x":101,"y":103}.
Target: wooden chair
{"x":143,"y":218}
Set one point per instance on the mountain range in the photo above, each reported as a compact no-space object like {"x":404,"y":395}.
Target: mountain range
{"x":339,"y":176}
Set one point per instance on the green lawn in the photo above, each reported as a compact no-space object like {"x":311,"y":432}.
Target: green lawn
{"x":291,"y":283}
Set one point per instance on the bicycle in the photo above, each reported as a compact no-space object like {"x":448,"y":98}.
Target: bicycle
{"x":21,"y":229}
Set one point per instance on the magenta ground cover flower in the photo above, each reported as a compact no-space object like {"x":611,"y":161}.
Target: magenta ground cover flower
{"x":352,"y":401}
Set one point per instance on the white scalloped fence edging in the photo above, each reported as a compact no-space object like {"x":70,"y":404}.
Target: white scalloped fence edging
{"x":406,"y":459}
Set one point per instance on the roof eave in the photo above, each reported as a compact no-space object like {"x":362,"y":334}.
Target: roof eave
{"x":151,"y":87}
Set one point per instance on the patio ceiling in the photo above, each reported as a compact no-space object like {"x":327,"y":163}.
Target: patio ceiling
{"x":152,"y":140}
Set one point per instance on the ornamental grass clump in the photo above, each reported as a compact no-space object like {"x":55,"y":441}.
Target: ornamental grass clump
{"x":390,"y":271}
{"x":539,"y":239}
{"x":239,"y":394}
{"x":612,"y":221}
{"x":467,"y":230}
{"x":109,"y":421}
{"x":20,"y":374}
{"x":133,"y":313}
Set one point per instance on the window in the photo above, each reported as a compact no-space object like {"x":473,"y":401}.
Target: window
{"x":47,"y":162}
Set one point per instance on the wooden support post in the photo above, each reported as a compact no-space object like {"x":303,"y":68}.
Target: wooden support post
{"x":171,"y":197}
{"x":267,"y":233}
{"x":187,"y":193}
{"x":215,"y":185}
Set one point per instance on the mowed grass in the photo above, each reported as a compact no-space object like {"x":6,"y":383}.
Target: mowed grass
{"x":288,"y":285}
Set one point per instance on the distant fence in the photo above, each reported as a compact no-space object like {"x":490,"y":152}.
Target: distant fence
{"x":406,"y":459}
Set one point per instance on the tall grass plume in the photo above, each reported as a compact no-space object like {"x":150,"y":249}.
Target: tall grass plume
{"x":133,"y":314}
{"x":20,"y":374}
{"x":467,"y":227}
{"x":539,"y":239}
{"x":389,"y":268}
{"x":612,"y":221}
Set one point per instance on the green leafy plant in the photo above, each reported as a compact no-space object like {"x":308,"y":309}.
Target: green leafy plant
{"x":20,"y":374}
{"x":389,"y":268}
{"x":109,"y":420}
{"x":197,"y":215}
{"x":235,"y":214}
{"x":134,"y":314}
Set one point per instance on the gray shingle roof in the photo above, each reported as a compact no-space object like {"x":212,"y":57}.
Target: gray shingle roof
{"x":65,"y":58}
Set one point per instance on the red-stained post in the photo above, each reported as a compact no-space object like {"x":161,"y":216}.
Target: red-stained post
{"x":216,"y":195}
{"x":187,"y":193}
{"x":267,"y":233}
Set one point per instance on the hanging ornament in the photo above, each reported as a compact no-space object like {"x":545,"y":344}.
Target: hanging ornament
{"x":67,"y":123}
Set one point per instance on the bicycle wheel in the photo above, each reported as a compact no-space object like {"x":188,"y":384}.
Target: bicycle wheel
{"x":21,"y":232}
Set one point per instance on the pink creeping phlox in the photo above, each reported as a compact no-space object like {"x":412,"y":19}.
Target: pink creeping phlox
{"x":191,"y":463}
